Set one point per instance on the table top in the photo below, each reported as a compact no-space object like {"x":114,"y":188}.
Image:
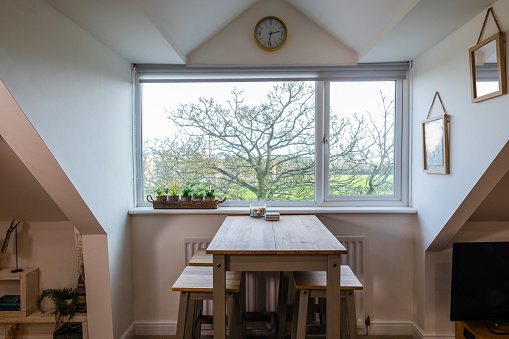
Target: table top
{"x":292,"y":234}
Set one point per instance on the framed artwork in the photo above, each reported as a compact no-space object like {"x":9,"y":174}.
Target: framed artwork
{"x":487,"y":64}
{"x":436,"y":144}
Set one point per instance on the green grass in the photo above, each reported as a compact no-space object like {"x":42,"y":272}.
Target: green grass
{"x":306,"y":193}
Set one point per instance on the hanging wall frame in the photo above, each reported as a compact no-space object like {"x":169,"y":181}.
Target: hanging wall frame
{"x":487,"y":64}
{"x":435,"y":139}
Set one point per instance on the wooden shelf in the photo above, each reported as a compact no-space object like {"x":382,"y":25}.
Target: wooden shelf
{"x":28,"y":290}
{"x":38,"y":317}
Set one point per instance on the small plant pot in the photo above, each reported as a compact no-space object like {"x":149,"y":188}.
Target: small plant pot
{"x":161,"y":198}
{"x":173,"y":198}
{"x":68,"y":308}
{"x":209,"y":198}
{"x":196,"y":198}
{"x":188,"y":198}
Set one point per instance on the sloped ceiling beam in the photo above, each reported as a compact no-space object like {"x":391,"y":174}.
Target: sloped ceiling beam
{"x":493,"y":175}
{"x":24,"y":140}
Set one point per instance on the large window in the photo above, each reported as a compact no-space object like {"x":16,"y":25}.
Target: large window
{"x":285,"y":139}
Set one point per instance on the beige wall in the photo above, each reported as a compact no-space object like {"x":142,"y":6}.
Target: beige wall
{"x":307,"y":43}
{"x":158,"y":261}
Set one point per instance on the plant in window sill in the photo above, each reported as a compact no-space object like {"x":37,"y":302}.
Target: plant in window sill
{"x":186,"y":194}
{"x":174,"y":196}
{"x":209,"y":195}
{"x":198,"y":192}
{"x":162,"y":193}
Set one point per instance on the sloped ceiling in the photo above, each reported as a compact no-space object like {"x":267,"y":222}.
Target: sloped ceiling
{"x":167,"y":32}
{"x":496,"y":205}
{"x":22,"y":197}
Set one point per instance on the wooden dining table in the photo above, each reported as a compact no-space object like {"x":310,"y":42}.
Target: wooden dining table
{"x":294,"y":243}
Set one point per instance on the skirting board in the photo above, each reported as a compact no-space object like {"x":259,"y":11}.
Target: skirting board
{"x":150,"y":327}
{"x":130,"y":332}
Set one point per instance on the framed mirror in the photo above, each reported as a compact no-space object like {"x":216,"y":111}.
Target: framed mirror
{"x":487,"y":68}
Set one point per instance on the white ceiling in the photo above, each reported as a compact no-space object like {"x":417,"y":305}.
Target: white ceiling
{"x":167,"y":31}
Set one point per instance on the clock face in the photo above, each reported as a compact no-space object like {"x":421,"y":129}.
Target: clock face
{"x":270,"y":33}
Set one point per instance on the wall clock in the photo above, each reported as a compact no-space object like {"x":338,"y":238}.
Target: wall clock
{"x":270,"y":33}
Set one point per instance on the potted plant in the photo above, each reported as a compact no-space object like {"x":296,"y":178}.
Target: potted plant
{"x":174,"y":194}
{"x":161,"y":193}
{"x":209,"y":195}
{"x":199,"y":192}
{"x":186,"y":194}
{"x":65,"y":301}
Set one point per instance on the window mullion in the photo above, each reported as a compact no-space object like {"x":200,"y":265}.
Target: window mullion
{"x":321,"y":144}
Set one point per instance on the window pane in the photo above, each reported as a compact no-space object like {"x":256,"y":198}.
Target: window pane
{"x":361,"y":159}
{"x":248,"y":140}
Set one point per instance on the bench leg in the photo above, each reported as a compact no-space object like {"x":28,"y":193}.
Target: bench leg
{"x":343,"y":318}
{"x":234,"y":318}
{"x":352,"y":315}
{"x":293,"y":331}
{"x":284,"y":278}
{"x":302,"y":314}
{"x":198,"y":319}
{"x":182,"y":315}
{"x":190,"y":318}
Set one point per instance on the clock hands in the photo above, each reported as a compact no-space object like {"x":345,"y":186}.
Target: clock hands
{"x":270,"y":35}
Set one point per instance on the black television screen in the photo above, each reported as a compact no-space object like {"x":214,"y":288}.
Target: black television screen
{"x":480,"y":281}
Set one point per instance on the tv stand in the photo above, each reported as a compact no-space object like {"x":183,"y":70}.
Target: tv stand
{"x":478,"y":330}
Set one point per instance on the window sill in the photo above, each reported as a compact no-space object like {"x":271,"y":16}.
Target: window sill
{"x":281,"y":210}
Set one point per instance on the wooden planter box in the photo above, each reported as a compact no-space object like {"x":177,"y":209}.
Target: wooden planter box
{"x":186,"y":204}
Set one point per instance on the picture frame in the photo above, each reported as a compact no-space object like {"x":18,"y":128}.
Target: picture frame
{"x":487,"y":68}
{"x":435,"y":134}
{"x":487,"y":64}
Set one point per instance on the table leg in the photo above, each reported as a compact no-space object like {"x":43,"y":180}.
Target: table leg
{"x":219,"y":296}
{"x":333,"y":296}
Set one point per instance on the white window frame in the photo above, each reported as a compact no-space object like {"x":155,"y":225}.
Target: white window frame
{"x":323,"y":76}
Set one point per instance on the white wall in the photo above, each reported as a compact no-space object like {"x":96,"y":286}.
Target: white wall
{"x":478,"y":134}
{"x":76,"y":92}
{"x":158,"y":261}
{"x":50,"y":246}
{"x":478,"y":131}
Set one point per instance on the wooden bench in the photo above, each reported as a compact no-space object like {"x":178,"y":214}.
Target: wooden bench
{"x":201,"y":258}
{"x":195,"y":285}
{"x":314,"y":285}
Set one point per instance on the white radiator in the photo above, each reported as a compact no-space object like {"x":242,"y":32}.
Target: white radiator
{"x":190,"y":246}
{"x":355,"y":259}
{"x":262,"y":287}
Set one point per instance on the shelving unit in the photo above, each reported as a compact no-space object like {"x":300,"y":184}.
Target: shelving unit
{"x":28,"y":281}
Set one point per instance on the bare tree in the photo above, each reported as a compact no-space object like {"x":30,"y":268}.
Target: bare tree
{"x":379,"y":155}
{"x":264,"y":151}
